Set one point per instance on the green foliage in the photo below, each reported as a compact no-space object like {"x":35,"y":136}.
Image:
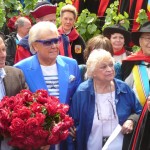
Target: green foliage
{"x":87,"y":24}
{"x":10,"y":8}
{"x":135,"y":48}
{"x":2,"y":13}
{"x":142,"y":17}
{"x":29,"y":5}
{"x":113,"y":17}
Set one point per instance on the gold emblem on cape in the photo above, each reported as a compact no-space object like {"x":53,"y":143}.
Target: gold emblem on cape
{"x":78,"y":49}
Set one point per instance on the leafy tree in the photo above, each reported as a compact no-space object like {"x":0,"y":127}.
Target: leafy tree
{"x":142,"y":17}
{"x":10,"y":8}
{"x":113,"y":17}
{"x":87,"y":24}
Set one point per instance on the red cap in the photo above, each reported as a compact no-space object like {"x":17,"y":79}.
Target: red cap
{"x":43,"y":10}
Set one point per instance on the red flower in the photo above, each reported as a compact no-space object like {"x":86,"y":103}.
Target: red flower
{"x":32,"y":120}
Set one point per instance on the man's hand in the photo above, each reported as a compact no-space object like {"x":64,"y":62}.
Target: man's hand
{"x":73,"y":132}
{"x":127,"y":127}
{"x":47,"y":147}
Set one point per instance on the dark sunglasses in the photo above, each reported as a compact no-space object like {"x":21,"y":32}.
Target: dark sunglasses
{"x":49,"y":41}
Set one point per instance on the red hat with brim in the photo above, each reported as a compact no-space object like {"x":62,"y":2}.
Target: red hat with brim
{"x":43,"y":10}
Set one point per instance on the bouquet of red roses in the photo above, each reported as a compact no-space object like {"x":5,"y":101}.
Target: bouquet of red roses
{"x":32,"y":120}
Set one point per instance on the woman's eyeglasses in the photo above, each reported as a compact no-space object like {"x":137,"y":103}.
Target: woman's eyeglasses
{"x":49,"y":42}
{"x":98,"y":116}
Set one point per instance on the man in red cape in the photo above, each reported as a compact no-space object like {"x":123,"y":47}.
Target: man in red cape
{"x":141,"y":59}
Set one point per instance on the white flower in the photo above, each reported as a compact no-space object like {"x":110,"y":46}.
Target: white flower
{"x":72,"y":78}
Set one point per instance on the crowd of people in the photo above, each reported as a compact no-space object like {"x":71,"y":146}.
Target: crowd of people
{"x":106,"y":86}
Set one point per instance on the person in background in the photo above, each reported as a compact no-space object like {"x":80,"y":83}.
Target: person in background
{"x":22,"y":26}
{"x":119,"y":37}
{"x":101,"y":42}
{"x":68,"y":16}
{"x":11,"y":82}
{"x":93,"y":122}
{"x":57,"y":74}
{"x":135,"y":68}
{"x":43,"y":11}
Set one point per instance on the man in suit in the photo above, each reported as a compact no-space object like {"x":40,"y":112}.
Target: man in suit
{"x":11,"y":81}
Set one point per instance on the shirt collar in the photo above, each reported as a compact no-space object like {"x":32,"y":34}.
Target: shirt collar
{"x":2,"y":73}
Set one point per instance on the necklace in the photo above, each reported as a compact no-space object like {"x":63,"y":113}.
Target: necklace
{"x":105,"y":110}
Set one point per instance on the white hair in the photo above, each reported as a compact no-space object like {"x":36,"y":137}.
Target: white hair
{"x":96,"y":57}
{"x":39,"y":29}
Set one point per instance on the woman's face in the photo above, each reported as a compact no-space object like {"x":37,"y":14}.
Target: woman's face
{"x":67,"y":21}
{"x":47,"y":51}
{"x":117,"y":40}
{"x":104,"y":71}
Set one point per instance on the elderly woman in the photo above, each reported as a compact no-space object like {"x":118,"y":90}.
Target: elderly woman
{"x":68,"y":16}
{"x":119,"y":37}
{"x":101,"y":103}
{"x":59,"y":75}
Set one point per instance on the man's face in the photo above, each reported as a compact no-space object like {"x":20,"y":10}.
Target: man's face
{"x":50,"y":17}
{"x":25,"y":29}
{"x":144,"y":42}
{"x":2,"y":53}
{"x":47,"y":53}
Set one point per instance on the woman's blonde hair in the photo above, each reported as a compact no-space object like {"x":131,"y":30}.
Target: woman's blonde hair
{"x":69,"y":8}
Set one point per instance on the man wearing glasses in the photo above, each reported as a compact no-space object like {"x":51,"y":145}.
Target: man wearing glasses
{"x":59,"y":75}
{"x":135,"y":68}
{"x":44,"y":11}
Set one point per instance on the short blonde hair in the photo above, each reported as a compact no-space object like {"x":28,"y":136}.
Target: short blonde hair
{"x":69,"y":8}
{"x":38,"y":29}
{"x":96,"y":57}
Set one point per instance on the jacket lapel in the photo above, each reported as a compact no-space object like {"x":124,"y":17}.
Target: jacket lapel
{"x":63,"y":77}
{"x":35,"y":76}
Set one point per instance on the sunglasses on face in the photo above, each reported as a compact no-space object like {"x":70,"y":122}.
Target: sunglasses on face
{"x":49,"y":42}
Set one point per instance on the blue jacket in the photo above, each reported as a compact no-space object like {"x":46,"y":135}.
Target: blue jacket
{"x":83,"y":106}
{"x":66,"y":67}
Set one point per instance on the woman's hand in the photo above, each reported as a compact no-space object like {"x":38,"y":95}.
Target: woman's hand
{"x":148,"y":103}
{"x":47,"y":147}
{"x":127,"y":127}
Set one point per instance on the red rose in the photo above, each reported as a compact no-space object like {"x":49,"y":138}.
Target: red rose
{"x":17,"y":127}
{"x":31,"y":126}
{"x":40,"y":118}
{"x":23,"y":113}
{"x":52,"y":109}
{"x":36,"y":107}
{"x":63,"y":135}
{"x":4,"y":118}
{"x":42,"y":93}
{"x":53,"y":139}
{"x":43,"y":134}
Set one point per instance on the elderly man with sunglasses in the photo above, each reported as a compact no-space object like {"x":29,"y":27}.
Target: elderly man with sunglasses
{"x":59,"y":75}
